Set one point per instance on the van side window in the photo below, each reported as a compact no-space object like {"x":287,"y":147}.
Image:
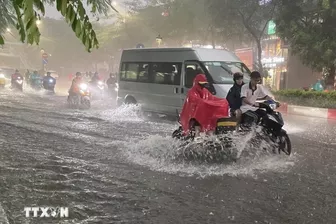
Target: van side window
{"x":143,"y":73}
{"x":123,"y":71}
{"x":191,"y":69}
{"x":166,"y":73}
{"x":130,"y":71}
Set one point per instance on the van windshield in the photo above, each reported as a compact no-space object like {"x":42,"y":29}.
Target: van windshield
{"x":222,"y":72}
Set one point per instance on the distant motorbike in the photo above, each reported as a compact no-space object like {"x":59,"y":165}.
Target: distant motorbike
{"x":36,"y":84}
{"x":82,"y":98}
{"x":49,"y":85}
{"x":2,"y":81}
{"x":98,"y":89}
{"x":113,"y":90}
{"x":18,"y":83}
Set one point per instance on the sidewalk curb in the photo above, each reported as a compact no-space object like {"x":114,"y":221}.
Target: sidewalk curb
{"x":307,"y":111}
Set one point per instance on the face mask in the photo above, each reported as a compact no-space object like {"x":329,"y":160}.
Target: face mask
{"x":205,"y":85}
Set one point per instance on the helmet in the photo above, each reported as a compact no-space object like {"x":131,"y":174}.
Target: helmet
{"x":237,"y":76}
{"x":16,"y":70}
{"x":48,"y":73}
{"x":255,"y":75}
{"x":78,"y":74}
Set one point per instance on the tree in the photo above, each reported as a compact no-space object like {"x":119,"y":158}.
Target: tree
{"x":23,"y":14}
{"x":249,"y":14}
{"x":177,"y":22}
{"x":309,"y":27}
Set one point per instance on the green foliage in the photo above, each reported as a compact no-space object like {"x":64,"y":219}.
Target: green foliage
{"x":307,"y":98}
{"x":23,"y":14}
{"x":309,"y":27}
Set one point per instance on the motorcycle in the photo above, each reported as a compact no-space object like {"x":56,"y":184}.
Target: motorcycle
{"x":18,"y":83}
{"x":82,"y":98}
{"x":36,"y":84}
{"x":271,"y":126}
{"x":98,"y":88}
{"x":209,"y":116}
{"x":2,"y":81}
{"x":113,"y":90}
{"x":49,"y":85}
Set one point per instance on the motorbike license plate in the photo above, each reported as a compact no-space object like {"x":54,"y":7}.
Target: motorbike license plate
{"x":226,"y":123}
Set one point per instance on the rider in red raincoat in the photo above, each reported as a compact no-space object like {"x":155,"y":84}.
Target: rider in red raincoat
{"x":202,"y":106}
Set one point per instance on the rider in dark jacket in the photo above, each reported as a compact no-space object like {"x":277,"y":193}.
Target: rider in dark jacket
{"x":49,"y":82}
{"x":233,"y":96}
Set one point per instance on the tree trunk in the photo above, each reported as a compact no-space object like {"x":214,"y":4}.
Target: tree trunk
{"x":259,"y":48}
{"x":330,"y":79}
{"x":213,"y":38}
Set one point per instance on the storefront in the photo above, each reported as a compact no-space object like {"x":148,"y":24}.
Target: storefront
{"x":274,"y":58}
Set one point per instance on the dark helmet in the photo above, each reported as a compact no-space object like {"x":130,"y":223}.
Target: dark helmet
{"x":255,"y":75}
{"x":16,"y":70}
{"x":48,"y":73}
{"x":237,"y":76}
{"x":78,"y":74}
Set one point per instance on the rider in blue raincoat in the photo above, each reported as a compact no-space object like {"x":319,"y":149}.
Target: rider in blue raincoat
{"x":35,"y":79}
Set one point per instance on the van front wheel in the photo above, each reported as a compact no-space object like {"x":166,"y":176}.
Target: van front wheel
{"x":130,"y":100}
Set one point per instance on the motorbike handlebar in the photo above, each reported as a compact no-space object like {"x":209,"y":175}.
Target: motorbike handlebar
{"x":266,"y":105}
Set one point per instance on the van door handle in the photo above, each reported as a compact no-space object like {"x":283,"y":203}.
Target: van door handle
{"x":182,"y":90}
{"x":176,"y":90}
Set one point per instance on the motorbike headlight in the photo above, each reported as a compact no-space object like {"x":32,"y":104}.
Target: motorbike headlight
{"x":83,"y":86}
{"x":2,"y":76}
{"x":273,"y":106}
{"x":100,"y":83}
{"x":50,"y":80}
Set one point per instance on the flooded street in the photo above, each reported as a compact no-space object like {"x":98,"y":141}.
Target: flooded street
{"x":110,"y":166}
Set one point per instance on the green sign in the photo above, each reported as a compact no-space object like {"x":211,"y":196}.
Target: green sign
{"x":271,"y":28}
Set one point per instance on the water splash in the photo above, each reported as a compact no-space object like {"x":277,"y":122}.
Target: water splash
{"x":121,"y":114}
{"x":159,"y":154}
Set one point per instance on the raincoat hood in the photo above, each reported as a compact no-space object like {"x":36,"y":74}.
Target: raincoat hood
{"x":200,"y":79}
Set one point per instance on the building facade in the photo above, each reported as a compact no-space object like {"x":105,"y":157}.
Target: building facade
{"x":283,"y":70}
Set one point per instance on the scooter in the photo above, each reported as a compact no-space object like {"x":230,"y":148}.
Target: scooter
{"x":2,"y":81}
{"x":214,"y":118}
{"x":82,"y":98}
{"x":98,"y":89}
{"x":18,"y":83}
{"x":36,"y":84}
{"x":49,"y":85}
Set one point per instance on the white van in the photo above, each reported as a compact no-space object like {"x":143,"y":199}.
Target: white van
{"x":159,"y":78}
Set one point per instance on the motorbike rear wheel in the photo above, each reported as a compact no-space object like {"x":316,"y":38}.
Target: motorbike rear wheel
{"x":285,"y":144}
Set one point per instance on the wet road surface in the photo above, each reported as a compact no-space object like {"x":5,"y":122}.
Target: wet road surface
{"x":110,"y":166}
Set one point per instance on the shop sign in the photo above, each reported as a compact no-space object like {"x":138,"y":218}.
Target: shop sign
{"x":273,"y":60}
{"x":271,"y":27}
